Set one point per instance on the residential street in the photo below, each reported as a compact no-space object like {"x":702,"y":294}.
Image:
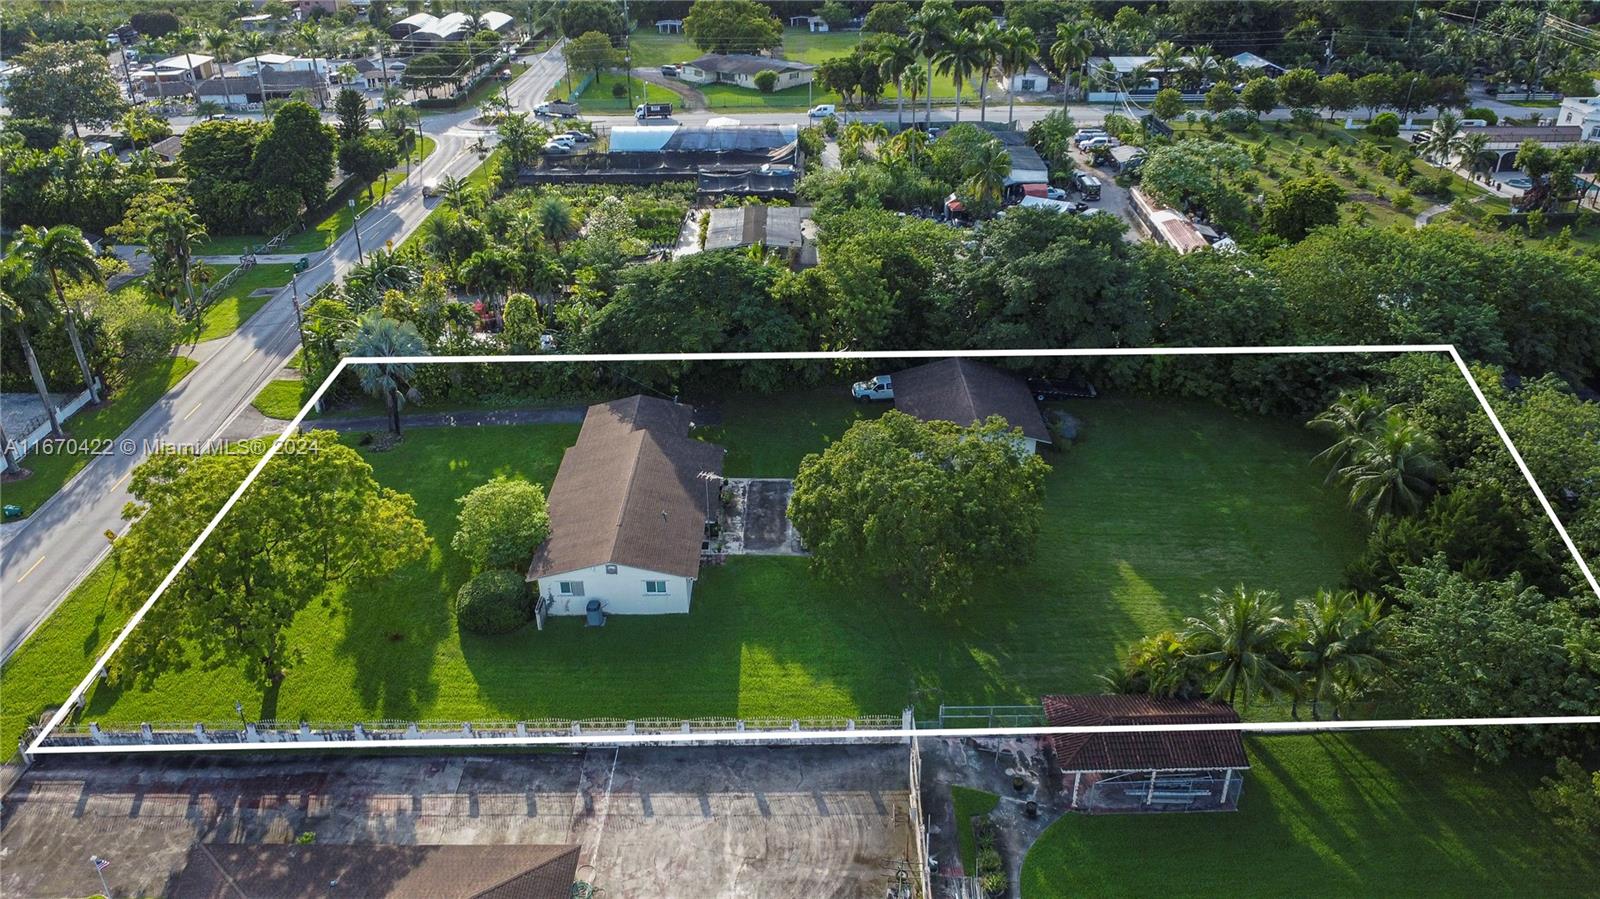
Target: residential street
{"x":66,"y":537}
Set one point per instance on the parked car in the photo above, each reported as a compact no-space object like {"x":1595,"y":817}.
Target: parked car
{"x":1055,"y":193}
{"x":822,"y":111}
{"x":670,"y":71}
{"x":1099,"y":142}
{"x":1083,"y":133}
{"x":577,"y":137}
{"x":559,"y":145}
{"x":878,"y":387}
{"x":504,"y":75}
{"x":1086,"y":184}
{"x":1131,"y":165}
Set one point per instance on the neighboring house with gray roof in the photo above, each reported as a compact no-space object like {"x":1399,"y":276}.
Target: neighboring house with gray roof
{"x":628,"y":512}
{"x":226,"y":871}
{"x":966,"y":392}
{"x":741,"y":69}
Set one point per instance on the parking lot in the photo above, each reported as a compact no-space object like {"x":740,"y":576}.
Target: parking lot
{"x":825,"y":821}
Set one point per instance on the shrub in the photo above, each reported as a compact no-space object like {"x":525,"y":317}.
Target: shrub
{"x":1235,"y":120}
{"x":1403,"y":201}
{"x":1385,"y":124}
{"x":1478,"y":112}
{"x":1442,"y":182}
{"x":830,"y":126}
{"x":994,"y":884}
{"x":619,"y":90}
{"x":766,"y":81}
{"x":493,"y":602}
{"x":501,"y":523}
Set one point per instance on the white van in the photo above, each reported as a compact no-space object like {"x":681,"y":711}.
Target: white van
{"x":823,"y":110}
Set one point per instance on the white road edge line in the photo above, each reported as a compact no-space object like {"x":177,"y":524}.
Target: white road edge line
{"x":75,"y":699}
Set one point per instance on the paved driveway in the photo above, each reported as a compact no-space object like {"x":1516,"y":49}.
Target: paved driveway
{"x":825,"y":821}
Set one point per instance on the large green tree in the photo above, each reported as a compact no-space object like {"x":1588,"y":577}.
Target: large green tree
{"x":501,"y":523}
{"x":65,"y":258}
{"x":294,"y":160}
{"x":314,"y":518}
{"x":1198,"y":173}
{"x":69,"y":84}
{"x":1302,"y":204}
{"x":927,"y":507}
{"x":217,"y":159}
{"x":732,"y":26}
{"x":591,"y":52}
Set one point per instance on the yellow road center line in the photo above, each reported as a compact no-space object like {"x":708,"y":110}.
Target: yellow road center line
{"x":30,"y":570}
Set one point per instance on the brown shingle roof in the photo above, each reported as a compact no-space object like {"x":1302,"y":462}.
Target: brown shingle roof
{"x":220,"y":871}
{"x":964,"y":391}
{"x":1134,"y":751}
{"x":747,"y":64}
{"x":627,"y":492}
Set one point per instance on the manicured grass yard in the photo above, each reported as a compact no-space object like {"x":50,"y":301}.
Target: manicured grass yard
{"x":1159,"y":503}
{"x":767,"y":436}
{"x":1328,"y":815}
{"x":280,"y":399}
{"x":597,"y":98}
{"x":968,"y":803}
{"x":235,"y":306}
{"x":90,"y":429}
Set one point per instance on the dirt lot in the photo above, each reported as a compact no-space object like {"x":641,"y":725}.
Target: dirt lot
{"x":826,"y":821}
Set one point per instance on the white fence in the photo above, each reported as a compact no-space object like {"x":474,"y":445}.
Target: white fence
{"x":41,"y":430}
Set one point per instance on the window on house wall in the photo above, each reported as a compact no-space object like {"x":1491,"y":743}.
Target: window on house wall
{"x":655,"y":588}
{"x":570,"y":588}
{"x":611,"y":569}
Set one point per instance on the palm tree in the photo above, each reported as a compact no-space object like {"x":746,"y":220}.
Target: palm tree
{"x":174,"y":231}
{"x":1394,"y":470}
{"x":219,"y":43}
{"x":931,"y":29}
{"x":1348,"y":421}
{"x":1444,"y":140}
{"x":22,"y":298}
{"x":987,"y":46}
{"x":62,"y":253}
{"x":1018,"y":49}
{"x":255,"y":43}
{"x":915,"y":76}
{"x":1069,"y":53}
{"x":1237,"y":642}
{"x":1167,"y":58}
{"x":961,"y":58}
{"x":1337,"y":636}
{"x":1159,"y":665}
{"x":1476,"y":154}
{"x":986,"y":172}
{"x":895,"y":56}
{"x":908,"y":144}
{"x":376,"y":336}
{"x":556,"y":220}
{"x":490,"y":272}
{"x":1202,"y":62}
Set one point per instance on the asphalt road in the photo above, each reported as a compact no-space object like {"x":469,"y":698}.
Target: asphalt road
{"x":66,"y":537}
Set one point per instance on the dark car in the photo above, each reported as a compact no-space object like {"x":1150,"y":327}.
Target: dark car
{"x":1073,"y":388}
{"x":1086,"y":184}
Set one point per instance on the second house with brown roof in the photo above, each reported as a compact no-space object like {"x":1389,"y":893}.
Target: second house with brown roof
{"x":628,"y":512}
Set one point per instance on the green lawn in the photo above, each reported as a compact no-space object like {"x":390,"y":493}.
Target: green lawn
{"x":280,"y":399}
{"x":596,"y":97}
{"x":90,"y":430}
{"x":968,"y":803}
{"x":767,"y":436}
{"x":326,"y":231}
{"x":1159,"y":502}
{"x":1357,"y":815}
{"x":235,"y":306}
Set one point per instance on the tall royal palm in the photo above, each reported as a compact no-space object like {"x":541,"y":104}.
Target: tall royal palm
{"x":961,"y":59}
{"x":1394,"y":471}
{"x":254,"y":44}
{"x":987,"y":47}
{"x":895,"y":57}
{"x":1069,"y":53}
{"x":931,"y":29}
{"x":22,"y":299}
{"x":376,"y":336}
{"x":62,"y":255}
{"x":1018,"y":49}
{"x":1238,"y":641}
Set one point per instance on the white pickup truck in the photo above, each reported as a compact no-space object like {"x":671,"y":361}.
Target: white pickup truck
{"x":878,"y":387}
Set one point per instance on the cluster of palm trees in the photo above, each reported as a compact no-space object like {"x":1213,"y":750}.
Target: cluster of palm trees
{"x":39,"y":266}
{"x":1389,"y":464}
{"x":1331,"y":649}
{"x":1447,"y":142}
{"x":968,"y":55}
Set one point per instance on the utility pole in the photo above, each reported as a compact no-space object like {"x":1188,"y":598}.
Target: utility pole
{"x":627,"y":53}
{"x":355,"y":225}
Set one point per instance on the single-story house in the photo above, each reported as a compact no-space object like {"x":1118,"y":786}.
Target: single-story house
{"x":258,"y":22}
{"x":669,"y":26}
{"x":741,"y":69}
{"x":775,"y":227}
{"x":966,"y":392}
{"x":370,"y":74}
{"x":1035,"y":80}
{"x":167,"y":149}
{"x":628,"y":512}
{"x":1159,"y":771}
{"x":243,"y":90}
{"x":813,"y":23}
{"x":1583,"y":113}
{"x":217,"y":871}
{"x":181,"y":69}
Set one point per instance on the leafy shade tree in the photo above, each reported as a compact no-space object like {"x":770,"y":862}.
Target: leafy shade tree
{"x":351,"y":108}
{"x":1301,"y":205}
{"x":1337,"y":92}
{"x":1300,"y":89}
{"x":394,"y":382}
{"x":217,"y":159}
{"x":369,"y":157}
{"x":1260,"y":95}
{"x":63,"y":256}
{"x":732,"y":26}
{"x":69,"y":84}
{"x":1486,"y":649}
{"x":891,"y":17}
{"x":1236,"y":642}
{"x":1572,"y":799}
{"x":1168,"y":104}
{"x":929,"y":507}
{"x":493,"y":602}
{"x":501,"y":523}
{"x":583,"y":16}
{"x":1199,"y":173}
{"x":1221,"y":98}
{"x":295,"y":160}
{"x":591,"y":52}
{"x":314,"y":518}
{"x":1375,"y":91}
{"x":143,"y":127}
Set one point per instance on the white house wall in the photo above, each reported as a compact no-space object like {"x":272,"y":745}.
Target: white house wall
{"x":622,"y":593}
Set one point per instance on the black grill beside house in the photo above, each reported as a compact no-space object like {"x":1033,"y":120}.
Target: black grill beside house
{"x":1158,"y":771}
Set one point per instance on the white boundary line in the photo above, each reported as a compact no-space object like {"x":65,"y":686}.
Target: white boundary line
{"x":290,"y":429}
